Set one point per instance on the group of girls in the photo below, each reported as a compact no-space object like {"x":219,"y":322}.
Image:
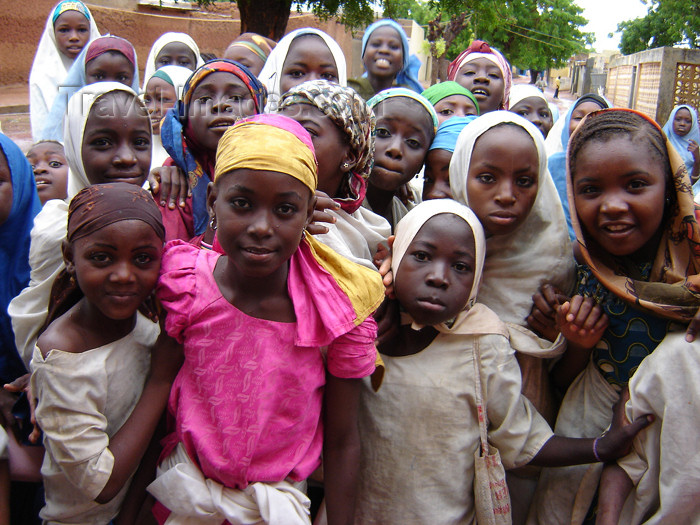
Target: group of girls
{"x":240,"y":291}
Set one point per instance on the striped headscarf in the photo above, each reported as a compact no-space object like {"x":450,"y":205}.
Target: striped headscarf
{"x":353,"y":116}
{"x":403,"y":92}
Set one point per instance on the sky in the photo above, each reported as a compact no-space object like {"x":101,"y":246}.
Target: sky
{"x":603,"y":17}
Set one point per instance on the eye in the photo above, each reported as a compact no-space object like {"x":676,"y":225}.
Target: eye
{"x":296,"y":73}
{"x":525,"y":182}
{"x":239,"y":203}
{"x":413,"y":144}
{"x":99,"y":258}
{"x":312,"y":132}
{"x":54,"y":164}
{"x":142,"y":259}
{"x":588,"y":189}
{"x":544,"y":114}
{"x":427,"y":179}
{"x":142,"y":143}
{"x":164,"y":60}
{"x":637,"y":184}
{"x":185,"y":62}
{"x":63,"y":30}
{"x":123,"y":78}
{"x":100,"y":143}
{"x":420,"y":255}
{"x":147,"y":99}
{"x":486,"y":178}
{"x":383,"y":133}
{"x":446,"y":112}
{"x":98,"y":76}
{"x":522,"y":112}
{"x":462,"y":267}
{"x":330,"y":77}
{"x":286,"y":209}
{"x":494,"y":76}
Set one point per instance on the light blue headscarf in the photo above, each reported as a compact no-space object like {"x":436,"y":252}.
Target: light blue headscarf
{"x":679,"y":143}
{"x":408,"y":76}
{"x":447,"y":133}
{"x":403,"y":92}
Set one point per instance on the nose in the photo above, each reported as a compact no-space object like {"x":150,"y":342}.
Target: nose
{"x":393,"y":149}
{"x":313,"y":75}
{"x":124,"y":156}
{"x":504,"y":193}
{"x":40,"y":168}
{"x":614,"y":204}
{"x":438,"y":191}
{"x":480,"y":77}
{"x":437,"y":275}
{"x":122,"y":273}
{"x":260,"y":225}
{"x":222,"y":104}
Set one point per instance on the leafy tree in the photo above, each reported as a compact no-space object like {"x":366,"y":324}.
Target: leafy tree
{"x":667,"y":23}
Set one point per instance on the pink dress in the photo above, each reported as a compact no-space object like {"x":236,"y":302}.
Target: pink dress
{"x":247,"y":401}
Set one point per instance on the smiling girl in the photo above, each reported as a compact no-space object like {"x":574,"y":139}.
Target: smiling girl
{"x":50,"y":168}
{"x":69,"y":27}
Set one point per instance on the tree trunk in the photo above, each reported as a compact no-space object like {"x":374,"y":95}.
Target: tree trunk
{"x":265,"y":17}
{"x":533,"y":76}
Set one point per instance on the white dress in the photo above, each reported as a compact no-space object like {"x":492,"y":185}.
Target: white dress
{"x":83,"y":400}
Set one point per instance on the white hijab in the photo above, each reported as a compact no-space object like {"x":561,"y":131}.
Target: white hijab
{"x":522,"y":91}
{"x":271,"y":73}
{"x":538,"y":252}
{"x":49,"y":68}
{"x":157,"y":47}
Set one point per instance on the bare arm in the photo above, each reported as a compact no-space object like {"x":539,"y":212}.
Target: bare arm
{"x":615,"y":486}
{"x":341,"y":448}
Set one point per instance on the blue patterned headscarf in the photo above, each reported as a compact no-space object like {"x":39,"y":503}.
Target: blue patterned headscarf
{"x":14,"y":250}
{"x":408,"y":76}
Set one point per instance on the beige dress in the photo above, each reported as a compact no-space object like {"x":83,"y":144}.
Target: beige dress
{"x":83,"y":400}
{"x":420,"y":430}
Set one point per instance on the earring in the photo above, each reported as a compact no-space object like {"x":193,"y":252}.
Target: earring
{"x":303,"y":234}
{"x":345,"y":165}
{"x":212,"y":223}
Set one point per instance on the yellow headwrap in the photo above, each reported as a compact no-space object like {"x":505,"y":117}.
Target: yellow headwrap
{"x":268,"y":143}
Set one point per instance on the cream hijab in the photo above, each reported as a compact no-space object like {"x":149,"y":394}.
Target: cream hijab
{"x":49,"y":68}
{"x":157,"y":47}
{"x":538,"y":252}
{"x":271,"y":73}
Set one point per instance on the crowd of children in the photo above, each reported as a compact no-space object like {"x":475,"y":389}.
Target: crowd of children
{"x":253,"y":290}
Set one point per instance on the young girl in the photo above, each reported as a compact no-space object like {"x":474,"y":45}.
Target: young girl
{"x":530,"y":103}
{"x":251,"y":50}
{"x":387,"y":60}
{"x":411,"y":473}
{"x":451,"y":100}
{"x":96,"y":402}
{"x":172,"y":49}
{"x":247,"y":402}
{"x":681,"y":128}
{"x":50,"y":168}
{"x":304,"y":54}
{"x":19,"y":204}
{"x":341,"y":126}
{"x":69,"y":27}
{"x":214,"y":98}
{"x":436,"y":178}
{"x":163,"y":90}
{"x":486,"y":73}
{"x":108,"y":139}
{"x":406,"y":126}
{"x":557,"y":161}
{"x":105,"y":59}
{"x":637,"y":239}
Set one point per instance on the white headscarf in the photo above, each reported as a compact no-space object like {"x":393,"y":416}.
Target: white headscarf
{"x":522,"y":91}
{"x":538,"y":251}
{"x":271,"y":73}
{"x":77,"y":113}
{"x":157,"y":47}
{"x":49,"y":68}
{"x":409,"y":226}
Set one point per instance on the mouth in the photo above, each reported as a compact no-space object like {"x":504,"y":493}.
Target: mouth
{"x":222,"y":124}
{"x":382,"y":63}
{"x":479,"y":92}
{"x":617,"y":229}
{"x":42,"y":182}
{"x":258,"y":253}
{"x":430,"y":303}
{"x":503,"y":218}
{"x":124,"y":176}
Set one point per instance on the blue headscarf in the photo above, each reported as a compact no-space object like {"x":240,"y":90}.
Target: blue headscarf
{"x":447,"y":133}
{"x":557,"y":162}
{"x":408,"y":76}
{"x":14,"y":251}
{"x":680,"y":144}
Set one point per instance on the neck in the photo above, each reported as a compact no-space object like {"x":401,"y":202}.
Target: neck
{"x":380,"y":83}
{"x":408,"y":341}
{"x":98,"y":328}
{"x":380,"y":201}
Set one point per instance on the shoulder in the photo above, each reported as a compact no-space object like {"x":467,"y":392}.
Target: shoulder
{"x":60,"y":335}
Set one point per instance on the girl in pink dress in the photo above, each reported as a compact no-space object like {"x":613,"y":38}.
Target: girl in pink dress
{"x":277,"y":334}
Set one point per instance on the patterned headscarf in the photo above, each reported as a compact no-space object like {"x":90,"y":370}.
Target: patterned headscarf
{"x":673,"y":288}
{"x":437,"y":92}
{"x":258,"y":44}
{"x":480,"y":49}
{"x":403,"y":92}
{"x":353,"y":116}
{"x":187,"y":154}
{"x":70,"y":5}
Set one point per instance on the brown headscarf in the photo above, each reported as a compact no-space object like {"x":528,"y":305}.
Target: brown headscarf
{"x":673,"y":288}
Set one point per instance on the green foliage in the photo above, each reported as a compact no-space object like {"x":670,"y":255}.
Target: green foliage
{"x":421,"y":12}
{"x":667,"y":23}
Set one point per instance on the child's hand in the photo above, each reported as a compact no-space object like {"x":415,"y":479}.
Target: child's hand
{"x":169,"y":183}
{"x":693,"y":149}
{"x":617,"y":442}
{"x":382,"y":260}
{"x":19,"y":385}
{"x":323,"y":202}
{"x":542,"y":318}
{"x":693,"y":328}
{"x":581,"y":321}
{"x":404,"y":193}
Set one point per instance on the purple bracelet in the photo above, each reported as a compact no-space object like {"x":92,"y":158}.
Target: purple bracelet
{"x":595,"y":449}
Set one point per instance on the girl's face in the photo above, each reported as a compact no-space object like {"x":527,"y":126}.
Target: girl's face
{"x":217,"y":103}
{"x":260,"y":217}
{"x":436,"y":275}
{"x":682,"y":122}
{"x":111,"y":66}
{"x":579,"y":113}
{"x":117,"y":141}
{"x":245,"y":56}
{"x":116,"y":267}
{"x":176,"y":54}
{"x":330,"y":143}
{"x":503,"y":178}
{"x":436,"y":180}
{"x":485,"y":80}
{"x":403,"y":136}
{"x":383,"y":56}
{"x":50,"y":170}
{"x":536,"y":111}
{"x":72,"y":32}
{"x":454,"y":106}
{"x":159,"y":98}
{"x":619,"y":194}
{"x":308,"y":58}
{"x":6,"y":192}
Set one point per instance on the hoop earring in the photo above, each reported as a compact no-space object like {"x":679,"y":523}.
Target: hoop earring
{"x":212,"y":223}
